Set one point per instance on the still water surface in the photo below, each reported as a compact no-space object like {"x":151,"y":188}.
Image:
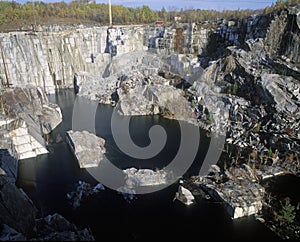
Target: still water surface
{"x":47,"y":179}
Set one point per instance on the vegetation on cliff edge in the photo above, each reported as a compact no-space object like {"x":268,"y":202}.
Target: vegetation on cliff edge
{"x":14,"y":15}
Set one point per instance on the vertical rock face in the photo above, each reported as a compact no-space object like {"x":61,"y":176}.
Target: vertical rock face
{"x":283,"y":35}
{"x":183,"y":38}
{"x":279,"y":31}
{"x":49,"y":60}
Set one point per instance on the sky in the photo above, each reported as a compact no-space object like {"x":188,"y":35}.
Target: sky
{"x":184,"y":4}
{"x":194,"y":4}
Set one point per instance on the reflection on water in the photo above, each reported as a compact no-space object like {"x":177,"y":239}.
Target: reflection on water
{"x":48,"y":178}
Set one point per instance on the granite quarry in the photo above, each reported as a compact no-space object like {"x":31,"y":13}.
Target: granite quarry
{"x":250,"y":93}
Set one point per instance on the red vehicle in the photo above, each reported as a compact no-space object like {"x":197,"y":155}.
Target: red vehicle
{"x":159,"y":22}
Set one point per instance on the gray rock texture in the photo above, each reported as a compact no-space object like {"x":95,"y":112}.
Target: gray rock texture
{"x":27,"y":117}
{"x":16,"y":209}
{"x":88,"y":148}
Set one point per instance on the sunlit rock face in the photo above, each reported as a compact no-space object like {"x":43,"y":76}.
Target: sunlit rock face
{"x":157,"y":99}
{"x":50,"y":59}
{"x":27,"y":117}
{"x":87,"y":147}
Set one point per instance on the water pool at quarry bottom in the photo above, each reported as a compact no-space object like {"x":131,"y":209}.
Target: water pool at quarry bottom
{"x":48,"y":178}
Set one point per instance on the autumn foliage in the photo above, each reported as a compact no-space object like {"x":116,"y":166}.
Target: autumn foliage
{"x":76,"y":11}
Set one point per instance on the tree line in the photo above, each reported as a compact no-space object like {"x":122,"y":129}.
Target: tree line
{"x":39,"y":12}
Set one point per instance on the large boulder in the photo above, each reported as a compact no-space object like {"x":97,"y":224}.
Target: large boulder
{"x":87,"y":147}
{"x":184,"y":196}
{"x":144,"y":177}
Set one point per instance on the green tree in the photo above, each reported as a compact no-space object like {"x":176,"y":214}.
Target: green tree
{"x":287,"y":214}
{"x":163,"y":14}
{"x":235,"y":88}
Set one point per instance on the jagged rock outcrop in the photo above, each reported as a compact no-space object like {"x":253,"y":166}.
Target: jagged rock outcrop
{"x":284,"y":93}
{"x":31,"y":102}
{"x":283,"y":35}
{"x":28,"y":116}
{"x":16,"y":209}
{"x":236,"y":95}
{"x":155,"y":99}
{"x":124,"y":70}
{"x":258,"y":96}
{"x":137,"y":88}
{"x":248,"y":96}
{"x":278,"y":30}
{"x":83,"y":143}
{"x":95,"y":88}
{"x":51,"y":228}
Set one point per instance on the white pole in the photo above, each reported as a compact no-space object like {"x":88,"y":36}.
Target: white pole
{"x":110,"y":14}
